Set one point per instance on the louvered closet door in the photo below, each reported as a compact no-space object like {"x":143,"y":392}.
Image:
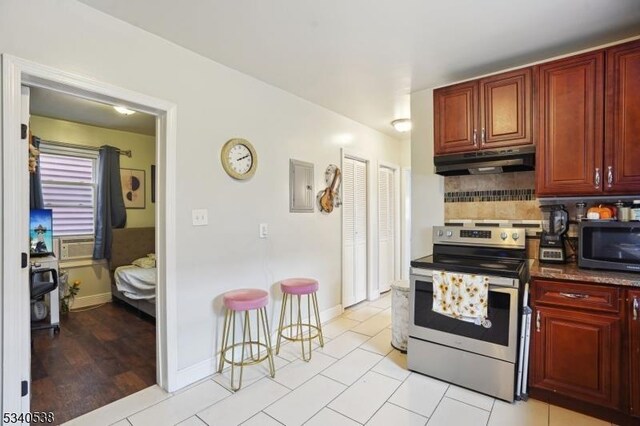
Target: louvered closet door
{"x":386,"y":228}
{"x":354,"y":210}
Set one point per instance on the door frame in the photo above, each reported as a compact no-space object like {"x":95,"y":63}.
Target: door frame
{"x":15,"y":319}
{"x":372,"y":273}
{"x":396,"y":217}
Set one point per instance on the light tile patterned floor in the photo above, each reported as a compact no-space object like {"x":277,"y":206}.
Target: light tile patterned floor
{"x":357,"y":378}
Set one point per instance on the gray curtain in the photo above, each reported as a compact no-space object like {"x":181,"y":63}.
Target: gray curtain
{"x":110,"y":210}
{"x":35,"y":182}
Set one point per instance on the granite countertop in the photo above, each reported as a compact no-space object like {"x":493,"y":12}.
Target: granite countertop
{"x":570,"y":271}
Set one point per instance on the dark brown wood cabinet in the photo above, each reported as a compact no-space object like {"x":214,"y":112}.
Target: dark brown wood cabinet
{"x":589,"y":141}
{"x":570,"y":139}
{"x":633,"y":321}
{"x":622,"y":125}
{"x":455,"y":126}
{"x":576,"y":341}
{"x":506,"y":109}
{"x":489,"y":113}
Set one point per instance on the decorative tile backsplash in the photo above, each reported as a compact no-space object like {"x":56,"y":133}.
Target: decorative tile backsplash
{"x":490,"y":195}
{"x":497,"y":196}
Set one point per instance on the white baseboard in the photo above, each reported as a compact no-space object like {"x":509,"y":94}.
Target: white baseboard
{"x":331,"y":313}
{"x":196,"y":372}
{"x":206,"y":368}
{"x":94,"y":299}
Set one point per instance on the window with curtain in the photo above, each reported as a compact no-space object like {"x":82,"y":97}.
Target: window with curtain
{"x":69,"y":182}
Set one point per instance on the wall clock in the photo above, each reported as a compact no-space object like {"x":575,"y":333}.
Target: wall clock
{"x":239,"y":158}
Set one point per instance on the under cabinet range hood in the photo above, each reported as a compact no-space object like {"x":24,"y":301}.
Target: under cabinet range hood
{"x":517,"y":159}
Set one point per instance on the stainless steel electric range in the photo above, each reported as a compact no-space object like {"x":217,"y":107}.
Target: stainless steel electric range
{"x":489,"y":358}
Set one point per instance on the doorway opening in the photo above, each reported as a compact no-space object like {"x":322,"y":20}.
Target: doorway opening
{"x":103,"y":345}
{"x":15,"y":318}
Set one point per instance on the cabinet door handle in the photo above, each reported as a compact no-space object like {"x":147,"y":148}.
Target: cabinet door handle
{"x":538,"y":321}
{"x":635,"y":305}
{"x":483,"y":137}
{"x":597,"y":178}
{"x":575,"y":295}
{"x":475,"y":137}
{"x":609,"y":177}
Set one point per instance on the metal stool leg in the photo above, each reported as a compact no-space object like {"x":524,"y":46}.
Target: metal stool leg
{"x":318,"y":323}
{"x":225,"y":339}
{"x":267,"y":335}
{"x":282,"y":314}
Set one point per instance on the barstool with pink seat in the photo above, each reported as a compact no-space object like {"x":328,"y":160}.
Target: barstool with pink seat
{"x":300,"y":287}
{"x":244,"y":301}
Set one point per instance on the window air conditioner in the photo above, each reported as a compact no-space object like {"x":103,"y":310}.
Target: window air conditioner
{"x":73,"y":248}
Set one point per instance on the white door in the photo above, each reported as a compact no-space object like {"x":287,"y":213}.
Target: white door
{"x":354,"y":231}
{"x":387,"y":218}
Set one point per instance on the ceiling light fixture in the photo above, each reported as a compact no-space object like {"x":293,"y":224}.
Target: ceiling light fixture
{"x":402,"y":125}
{"x":124,"y":110}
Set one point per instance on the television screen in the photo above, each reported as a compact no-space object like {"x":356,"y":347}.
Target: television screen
{"x":41,"y":232}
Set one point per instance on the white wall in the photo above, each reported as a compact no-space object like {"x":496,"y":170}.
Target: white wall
{"x":427,"y":188}
{"x":214,"y":104}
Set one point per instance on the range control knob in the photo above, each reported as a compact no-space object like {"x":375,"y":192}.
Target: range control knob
{"x":515,"y":236}
{"x":503,"y":236}
{"x":449,"y":233}
{"x":440,"y":233}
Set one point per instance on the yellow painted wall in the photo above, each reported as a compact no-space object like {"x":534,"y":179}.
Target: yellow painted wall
{"x":142,"y":147}
{"x":95,"y":277}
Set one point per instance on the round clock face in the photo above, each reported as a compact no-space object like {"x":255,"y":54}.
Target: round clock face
{"x":239,"y":158}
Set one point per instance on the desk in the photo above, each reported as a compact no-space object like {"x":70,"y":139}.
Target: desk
{"x":52,"y":298}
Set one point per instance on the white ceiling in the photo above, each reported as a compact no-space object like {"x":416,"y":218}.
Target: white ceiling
{"x":362,"y":58}
{"x":48,"y":103}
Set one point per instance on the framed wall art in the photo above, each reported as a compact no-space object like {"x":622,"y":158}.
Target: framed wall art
{"x":133,"y":188}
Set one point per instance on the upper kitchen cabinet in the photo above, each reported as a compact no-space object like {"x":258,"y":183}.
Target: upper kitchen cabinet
{"x":455,"y":118}
{"x":506,"y":109}
{"x":576,"y":155}
{"x":570,"y":141}
{"x":492,"y":112}
{"x":622,"y":125}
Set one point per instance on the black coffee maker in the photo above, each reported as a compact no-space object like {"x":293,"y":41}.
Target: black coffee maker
{"x":555,"y":222}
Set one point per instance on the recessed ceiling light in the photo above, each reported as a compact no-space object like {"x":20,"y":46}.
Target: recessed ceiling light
{"x":402,"y":125}
{"x":124,"y":110}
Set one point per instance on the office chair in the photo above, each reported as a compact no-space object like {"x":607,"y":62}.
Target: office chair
{"x":39,"y":285}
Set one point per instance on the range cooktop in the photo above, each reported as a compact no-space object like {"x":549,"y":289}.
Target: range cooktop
{"x":504,"y":267}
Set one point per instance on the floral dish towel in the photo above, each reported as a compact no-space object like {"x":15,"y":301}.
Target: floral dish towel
{"x":461,"y":296}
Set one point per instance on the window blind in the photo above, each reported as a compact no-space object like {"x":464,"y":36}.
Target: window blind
{"x":68,"y":188}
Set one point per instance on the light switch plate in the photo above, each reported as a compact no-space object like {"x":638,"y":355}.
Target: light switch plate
{"x":199,"y":217}
{"x":264,"y":230}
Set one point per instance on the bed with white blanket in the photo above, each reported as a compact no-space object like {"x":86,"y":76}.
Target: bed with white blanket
{"x":133,"y":269}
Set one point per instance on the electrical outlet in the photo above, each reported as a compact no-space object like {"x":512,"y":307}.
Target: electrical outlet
{"x":264,"y":230}
{"x":199,"y":217}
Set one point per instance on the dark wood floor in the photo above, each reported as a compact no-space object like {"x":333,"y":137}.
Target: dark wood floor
{"x":99,"y":356}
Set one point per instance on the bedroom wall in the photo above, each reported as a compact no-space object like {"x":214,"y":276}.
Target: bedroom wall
{"x":143,"y":150}
{"x":214,"y":104}
{"x":95,"y":287}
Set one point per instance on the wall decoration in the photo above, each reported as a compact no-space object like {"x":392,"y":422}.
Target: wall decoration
{"x":153,"y":183}
{"x":133,"y":188}
{"x":239,"y":158}
{"x":330,"y":197}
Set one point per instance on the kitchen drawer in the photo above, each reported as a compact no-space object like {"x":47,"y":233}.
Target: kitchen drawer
{"x":576,"y":295}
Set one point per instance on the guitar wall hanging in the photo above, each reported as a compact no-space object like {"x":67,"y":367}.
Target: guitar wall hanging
{"x":330,"y":197}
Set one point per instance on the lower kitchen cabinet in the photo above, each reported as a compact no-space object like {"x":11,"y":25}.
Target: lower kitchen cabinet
{"x":577,"y":354}
{"x":633,"y":303}
{"x":585,"y":348}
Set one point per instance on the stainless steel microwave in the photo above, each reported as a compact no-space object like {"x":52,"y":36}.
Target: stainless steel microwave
{"x":609,"y":245}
